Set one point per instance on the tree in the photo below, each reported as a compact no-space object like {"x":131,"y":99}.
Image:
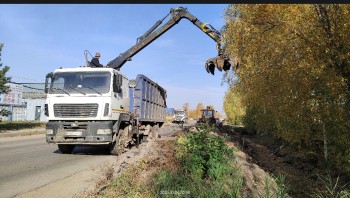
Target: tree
{"x":293,"y":78}
{"x":197,"y":113}
{"x":3,"y":80}
{"x":233,"y":106}
{"x":186,"y":107}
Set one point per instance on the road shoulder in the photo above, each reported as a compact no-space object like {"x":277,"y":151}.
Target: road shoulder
{"x":22,"y":132}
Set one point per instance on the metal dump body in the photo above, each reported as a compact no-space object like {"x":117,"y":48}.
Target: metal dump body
{"x":148,"y":100}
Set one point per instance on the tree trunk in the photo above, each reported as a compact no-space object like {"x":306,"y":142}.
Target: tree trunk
{"x":325,"y":142}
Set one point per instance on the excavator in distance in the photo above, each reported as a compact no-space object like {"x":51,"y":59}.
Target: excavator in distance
{"x":208,"y":116}
{"x":221,"y":62}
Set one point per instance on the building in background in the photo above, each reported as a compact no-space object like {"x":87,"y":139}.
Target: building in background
{"x":35,"y":99}
{"x":26,"y":101}
{"x":12,"y":102}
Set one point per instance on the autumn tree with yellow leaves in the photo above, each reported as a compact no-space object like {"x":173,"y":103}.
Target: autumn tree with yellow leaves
{"x":293,"y":79}
{"x":196,"y":113}
{"x":233,"y":106}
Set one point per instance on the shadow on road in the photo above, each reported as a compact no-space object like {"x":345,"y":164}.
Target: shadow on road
{"x":87,"y":150}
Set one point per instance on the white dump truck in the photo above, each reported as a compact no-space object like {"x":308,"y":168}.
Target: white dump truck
{"x":180,"y":116}
{"x":100,"y":106}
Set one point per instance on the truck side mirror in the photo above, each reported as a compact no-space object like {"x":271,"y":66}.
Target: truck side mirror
{"x":49,"y":75}
{"x":117,"y":83}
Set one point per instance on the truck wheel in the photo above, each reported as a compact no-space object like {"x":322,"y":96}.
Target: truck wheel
{"x":66,"y":148}
{"x":117,"y":147}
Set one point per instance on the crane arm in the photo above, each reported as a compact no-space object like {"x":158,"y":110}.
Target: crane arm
{"x":220,"y":62}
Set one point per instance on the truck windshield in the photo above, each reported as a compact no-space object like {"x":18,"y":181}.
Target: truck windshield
{"x":208,"y":113}
{"x":80,"y":82}
{"x":180,"y":113}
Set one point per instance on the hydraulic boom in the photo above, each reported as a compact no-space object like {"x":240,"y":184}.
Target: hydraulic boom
{"x":221,"y":62}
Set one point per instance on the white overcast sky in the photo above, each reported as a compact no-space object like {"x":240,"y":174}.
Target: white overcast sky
{"x":40,"y":38}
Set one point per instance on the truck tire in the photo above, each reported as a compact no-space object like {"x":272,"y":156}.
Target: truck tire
{"x":118,"y":147}
{"x":66,"y":148}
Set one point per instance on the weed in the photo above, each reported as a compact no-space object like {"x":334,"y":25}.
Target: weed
{"x":17,"y":125}
{"x":170,"y":184}
{"x":204,"y":155}
{"x":107,"y":172}
{"x":274,"y":186}
{"x":128,"y":184}
{"x":331,"y":188}
{"x":179,"y":184}
{"x":205,"y":169}
{"x":282,"y":187}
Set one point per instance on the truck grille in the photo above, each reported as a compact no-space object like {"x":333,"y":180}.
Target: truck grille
{"x":75,"y":110}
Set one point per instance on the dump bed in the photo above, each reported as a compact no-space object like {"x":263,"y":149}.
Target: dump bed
{"x":149,"y":100}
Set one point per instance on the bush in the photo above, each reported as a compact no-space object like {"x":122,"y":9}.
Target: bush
{"x":206,"y":168}
{"x":204,"y":155}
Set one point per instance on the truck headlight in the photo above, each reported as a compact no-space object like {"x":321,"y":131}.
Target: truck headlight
{"x":49,"y":131}
{"x":104,"y":131}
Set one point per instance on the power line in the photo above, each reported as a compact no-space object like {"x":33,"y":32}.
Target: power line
{"x":22,"y":78}
{"x":26,"y":86}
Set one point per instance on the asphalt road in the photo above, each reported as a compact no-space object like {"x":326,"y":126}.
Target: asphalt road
{"x":28,"y":163}
{"x":30,"y":167}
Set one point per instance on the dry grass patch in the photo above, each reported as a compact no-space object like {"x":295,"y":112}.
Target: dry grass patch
{"x":17,"y":125}
{"x":137,"y":180}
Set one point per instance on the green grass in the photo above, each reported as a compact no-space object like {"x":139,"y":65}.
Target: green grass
{"x":205,"y":168}
{"x":180,"y":184}
{"x":279,"y":190}
{"x":17,"y":125}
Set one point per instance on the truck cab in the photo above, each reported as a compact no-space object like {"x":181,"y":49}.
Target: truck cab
{"x":101,"y":107}
{"x":180,"y":116}
{"x":83,"y":104}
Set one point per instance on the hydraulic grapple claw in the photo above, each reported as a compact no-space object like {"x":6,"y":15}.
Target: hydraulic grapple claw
{"x":220,"y":62}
